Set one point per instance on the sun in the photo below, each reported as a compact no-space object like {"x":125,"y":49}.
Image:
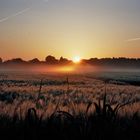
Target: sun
{"x":76,"y":59}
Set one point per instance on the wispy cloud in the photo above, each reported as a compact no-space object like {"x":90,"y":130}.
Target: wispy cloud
{"x":133,"y":39}
{"x":14,"y":15}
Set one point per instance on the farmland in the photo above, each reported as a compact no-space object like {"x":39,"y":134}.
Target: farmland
{"x":43,"y":96}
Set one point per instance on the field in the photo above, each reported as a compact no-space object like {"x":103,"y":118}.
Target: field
{"x":70,"y":106}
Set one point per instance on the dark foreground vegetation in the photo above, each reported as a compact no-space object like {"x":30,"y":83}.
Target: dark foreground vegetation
{"x":103,"y":124}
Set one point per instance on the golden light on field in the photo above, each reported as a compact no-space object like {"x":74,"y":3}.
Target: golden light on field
{"x":65,"y":69}
{"x":76,"y":59}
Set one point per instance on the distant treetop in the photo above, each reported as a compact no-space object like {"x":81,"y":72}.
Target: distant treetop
{"x":34,"y":61}
{"x":15,"y":60}
{"x":0,"y":60}
{"x":51,"y":60}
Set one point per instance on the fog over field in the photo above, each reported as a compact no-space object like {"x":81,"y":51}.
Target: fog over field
{"x":128,"y":76}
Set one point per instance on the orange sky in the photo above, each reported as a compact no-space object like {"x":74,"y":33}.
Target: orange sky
{"x":69,"y":28}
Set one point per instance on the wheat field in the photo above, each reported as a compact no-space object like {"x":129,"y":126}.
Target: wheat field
{"x":71,"y":93}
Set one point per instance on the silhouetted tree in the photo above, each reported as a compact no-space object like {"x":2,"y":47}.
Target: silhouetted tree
{"x":63,"y":60}
{"x":51,"y":60}
{"x":15,"y":61}
{"x":121,"y":62}
{"x":0,"y":60}
{"x":34,"y":61}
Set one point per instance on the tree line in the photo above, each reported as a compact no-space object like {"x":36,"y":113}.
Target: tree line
{"x":51,"y":60}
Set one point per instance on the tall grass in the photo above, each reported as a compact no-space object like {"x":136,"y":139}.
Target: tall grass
{"x":103,"y":123}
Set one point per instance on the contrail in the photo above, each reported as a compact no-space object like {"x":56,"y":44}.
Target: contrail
{"x":14,"y":15}
{"x":18,"y":13}
{"x":133,"y":39}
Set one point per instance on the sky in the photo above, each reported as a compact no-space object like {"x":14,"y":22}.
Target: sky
{"x":69,"y":28}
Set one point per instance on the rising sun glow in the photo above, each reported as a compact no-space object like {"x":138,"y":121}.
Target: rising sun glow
{"x":65,"y":69}
{"x":76,"y":59}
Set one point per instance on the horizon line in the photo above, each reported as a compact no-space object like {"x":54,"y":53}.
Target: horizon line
{"x":58,"y":58}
